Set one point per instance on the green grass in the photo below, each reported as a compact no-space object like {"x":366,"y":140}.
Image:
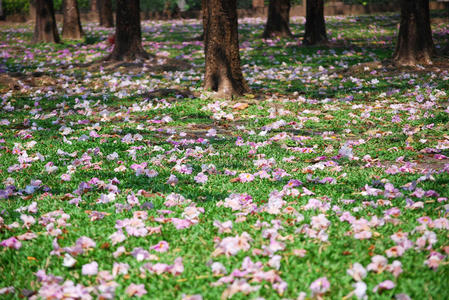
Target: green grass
{"x":307,"y":105}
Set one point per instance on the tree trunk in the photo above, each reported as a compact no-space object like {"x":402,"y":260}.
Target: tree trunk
{"x":93,"y":5}
{"x":315,"y":32}
{"x":2,"y":17}
{"x":105,"y":13}
{"x":203,"y":7}
{"x":415,"y":44}
{"x":278,"y":19}
{"x":71,"y":28}
{"x":223,"y":72}
{"x":32,"y":10}
{"x":45,"y":30}
{"x":128,"y":40}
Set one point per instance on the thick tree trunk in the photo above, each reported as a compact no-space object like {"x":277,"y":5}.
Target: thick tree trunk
{"x":45,"y":30}
{"x":128,"y":40}
{"x":105,"y":13}
{"x":278,"y":19}
{"x":315,"y":32}
{"x":223,"y":71}
{"x":415,"y":44}
{"x":71,"y":28}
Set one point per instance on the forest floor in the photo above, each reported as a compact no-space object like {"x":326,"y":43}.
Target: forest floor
{"x":329,"y":180}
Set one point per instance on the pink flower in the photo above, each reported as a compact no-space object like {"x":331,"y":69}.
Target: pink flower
{"x":90,"y":269}
{"x":201,"y":178}
{"x":162,"y":246}
{"x":384,"y":285}
{"x":395,"y":268}
{"x":136,"y":290}
{"x":378,"y":264}
{"x":177,"y":268}
{"x":232,"y":245}
{"x":66,"y":177}
{"x":320,"y":286}
{"x":425,"y":220}
{"x":246,"y":177}
{"x":218,"y":269}
{"x":172,"y":180}
{"x":160,"y":268}
{"x":434,"y":260}
{"x":225,"y":227}
{"x":211,"y":132}
{"x":358,"y":272}
{"x":360,"y":290}
{"x":181,"y":223}
{"x":12,"y":243}
{"x":117,"y":237}
{"x":395,"y":251}
{"x":85,"y":242}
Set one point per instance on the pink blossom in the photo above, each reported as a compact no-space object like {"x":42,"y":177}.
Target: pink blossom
{"x":232,"y":245}
{"x":136,"y":290}
{"x":172,"y":180}
{"x":160,"y":268}
{"x":201,"y":178}
{"x":181,"y":223}
{"x":90,"y":269}
{"x":395,"y":268}
{"x":395,"y":251}
{"x":66,"y":177}
{"x":360,"y":290}
{"x":12,"y":243}
{"x":358,"y":272}
{"x":177,"y":268}
{"x":319,"y":286}
{"x":246,"y":177}
{"x":384,"y":285}
{"x":378,"y":264}
{"x":434,"y":260}
{"x":225,"y":227}
{"x":218,"y":269}
{"x":162,"y":246}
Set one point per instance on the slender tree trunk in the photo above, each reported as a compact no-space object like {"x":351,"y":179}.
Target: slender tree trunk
{"x":315,"y":32}
{"x":2,"y":17}
{"x":415,"y":44}
{"x":45,"y":30}
{"x":203,"y":7}
{"x":223,"y":71}
{"x":32,"y":10}
{"x":105,"y":13}
{"x":278,"y":19}
{"x":128,"y":39}
{"x":93,"y":5}
{"x":71,"y":28}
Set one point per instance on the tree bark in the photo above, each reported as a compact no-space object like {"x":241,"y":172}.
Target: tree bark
{"x":203,"y":17}
{"x":278,"y":19}
{"x":71,"y":28}
{"x":128,"y":39}
{"x":105,"y":13}
{"x":45,"y":30}
{"x":223,"y":72}
{"x":93,"y":5}
{"x":415,"y":44}
{"x":32,"y":10}
{"x":2,"y":17}
{"x":315,"y":32}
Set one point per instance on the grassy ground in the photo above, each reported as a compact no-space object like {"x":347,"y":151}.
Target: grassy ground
{"x":328,"y":166}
